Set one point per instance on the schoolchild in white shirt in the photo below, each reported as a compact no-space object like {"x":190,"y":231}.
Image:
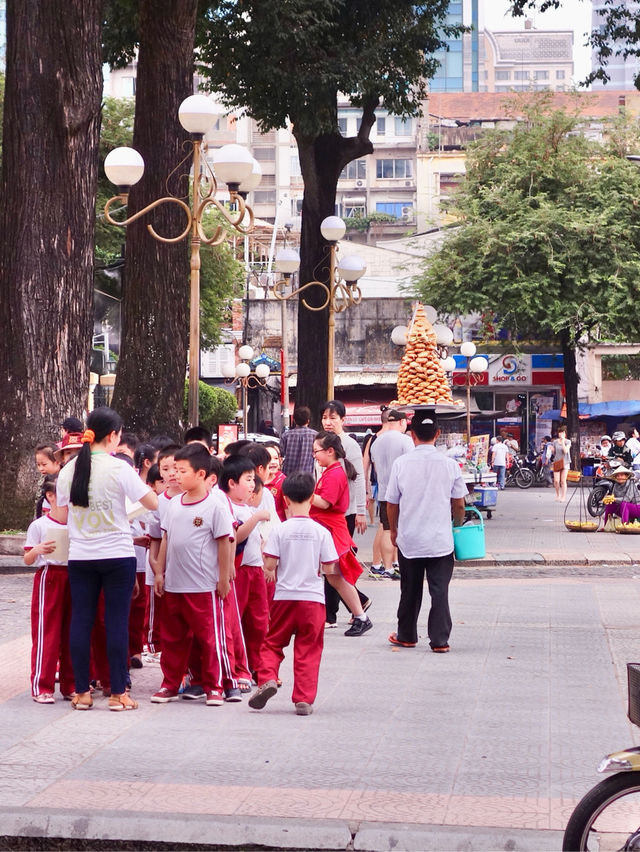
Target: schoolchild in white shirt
{"x":297,"y":553}
{"x":193,"y":574}
{"x":50,"y":602}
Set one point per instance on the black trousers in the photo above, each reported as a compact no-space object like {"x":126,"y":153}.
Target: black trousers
{"x":439,"y":570}
{"x":331,"y":597}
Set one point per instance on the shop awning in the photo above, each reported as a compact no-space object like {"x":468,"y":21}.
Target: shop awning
{"x":596,"y":410}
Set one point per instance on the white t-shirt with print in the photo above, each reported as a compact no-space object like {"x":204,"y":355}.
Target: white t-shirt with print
{"x":42,"y":529}
{"x":300,"y":545}
{"x":192,"y":549}
{"x":101,"y":530}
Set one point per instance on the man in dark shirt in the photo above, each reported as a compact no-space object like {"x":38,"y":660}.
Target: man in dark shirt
{"x":296,"y":445}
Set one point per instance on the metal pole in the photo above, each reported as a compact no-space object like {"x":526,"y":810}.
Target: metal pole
{"x":194,"y":297}
{"x":332,"y":323}
{"x":468,"y":402}
{"x":284,"y":377}
{"x":244,"y":408}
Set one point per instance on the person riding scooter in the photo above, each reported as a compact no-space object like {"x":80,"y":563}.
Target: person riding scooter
{"x":619,"y":450}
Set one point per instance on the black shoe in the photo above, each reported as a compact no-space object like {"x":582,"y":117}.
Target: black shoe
{"x":359,"y":627}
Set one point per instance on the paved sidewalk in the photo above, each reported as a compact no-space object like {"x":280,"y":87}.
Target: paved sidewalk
{"x":488,"y":747}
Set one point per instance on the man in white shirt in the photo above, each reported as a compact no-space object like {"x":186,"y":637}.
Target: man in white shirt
{"x":499,"y":453}
{"x":425,"y":488}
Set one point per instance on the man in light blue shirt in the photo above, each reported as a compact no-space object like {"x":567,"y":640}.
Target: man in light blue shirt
{"x":425,"y":489}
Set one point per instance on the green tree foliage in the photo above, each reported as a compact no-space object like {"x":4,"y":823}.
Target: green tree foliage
{"x":216,"y":406}
{"x":549,"y":238}
{"x":617,"y":32}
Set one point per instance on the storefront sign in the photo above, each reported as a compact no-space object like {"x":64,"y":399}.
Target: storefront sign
{"x":510,"y":369}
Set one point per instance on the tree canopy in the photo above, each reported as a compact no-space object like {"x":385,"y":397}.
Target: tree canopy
{"x":549,"y":237}
{"x":549,"y":233}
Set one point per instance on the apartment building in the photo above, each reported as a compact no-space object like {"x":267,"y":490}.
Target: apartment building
{"x":529,"y":60}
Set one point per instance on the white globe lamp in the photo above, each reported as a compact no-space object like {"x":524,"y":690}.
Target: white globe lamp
{"x":478,"y":365}
{"x":123,"y":166}
{"x":262,"y":371}
{"x":399,"y":335}
{"x":333,"y":229}
{"x":351,"y":268}
{"x":245,"y":352}
{"x":468,"y":349}
{"x":449,"y":364}
{"x":197,"y":114}
{"x":287,"y":261}
{"x":232,"y":165}
{"x":228,"y":369}
{"x":242,"y":370}
{"x":444,"y":335}
{"x":253,"y":180}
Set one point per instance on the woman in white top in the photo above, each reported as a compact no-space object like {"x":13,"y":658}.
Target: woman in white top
{"x":93,"y":488}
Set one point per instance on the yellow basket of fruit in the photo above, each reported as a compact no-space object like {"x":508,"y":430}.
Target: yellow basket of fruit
{"x":581,"y":526}
{"x":573,"y":476}
{"x":629,"y":529}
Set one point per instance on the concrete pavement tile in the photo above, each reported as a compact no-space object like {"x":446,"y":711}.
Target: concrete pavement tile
{"x":15,"y":678}
{"x":500,"y":811}
{"x":517,"y":557}
{"x":294,"y":803}
{"x":387,"y":805}
{"x":84,"y":795}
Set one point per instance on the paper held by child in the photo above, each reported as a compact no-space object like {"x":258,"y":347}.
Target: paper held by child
{"x":134,"y":510}
{"x":61,"y":551}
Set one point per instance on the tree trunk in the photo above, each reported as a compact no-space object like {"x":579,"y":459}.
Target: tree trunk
{"x":321,"y":160}
{"x":47,"y":216}
{"x":149,"y":391}
{"x":571,"y":380}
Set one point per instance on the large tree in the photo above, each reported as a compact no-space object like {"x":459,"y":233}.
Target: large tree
{"x":287,"y":62}
{"x":150,"y":378}
{"x":549,"y":239}
{"x":49,"y":170}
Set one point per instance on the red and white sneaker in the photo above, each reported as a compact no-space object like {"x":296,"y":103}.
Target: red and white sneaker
{"x":215,"y":698}
{"x":164,"y":696}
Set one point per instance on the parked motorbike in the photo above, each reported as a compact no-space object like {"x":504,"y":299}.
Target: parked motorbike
{"x":608,"y":816}
{"x":533,"y":462}
{"x":518,"y":474}
{"x":603,"y":486}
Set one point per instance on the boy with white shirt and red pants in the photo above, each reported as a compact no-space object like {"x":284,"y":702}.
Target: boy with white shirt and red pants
{"x":193,"y":573}
{"x":294,"y":556}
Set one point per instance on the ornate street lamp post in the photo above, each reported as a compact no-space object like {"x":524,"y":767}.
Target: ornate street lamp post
{"x":233,"y":165}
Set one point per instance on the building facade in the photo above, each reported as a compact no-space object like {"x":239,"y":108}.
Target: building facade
{"x":622,"y":72}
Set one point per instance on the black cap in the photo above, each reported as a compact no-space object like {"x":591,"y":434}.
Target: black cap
{"x":394,"y":416}
{"x":421,"y":418}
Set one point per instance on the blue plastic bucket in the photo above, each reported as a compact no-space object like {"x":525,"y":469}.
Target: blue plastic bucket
{"x":468,"y":540}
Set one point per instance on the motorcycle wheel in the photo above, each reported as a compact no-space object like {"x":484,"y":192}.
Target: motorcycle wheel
{"x":607,"y":817}
{"x":523,"y":478}
{"x":595,"y":506}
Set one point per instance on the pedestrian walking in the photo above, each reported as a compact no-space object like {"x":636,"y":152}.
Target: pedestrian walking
{"x":296,"y":445}
{"x":425,"y":488}
{"x":499,"y":453}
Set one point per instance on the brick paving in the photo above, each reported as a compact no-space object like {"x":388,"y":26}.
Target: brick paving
{"x":487,"y":747}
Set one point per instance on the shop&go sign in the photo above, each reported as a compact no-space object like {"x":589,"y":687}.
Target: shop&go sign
{"x":510,"y":370}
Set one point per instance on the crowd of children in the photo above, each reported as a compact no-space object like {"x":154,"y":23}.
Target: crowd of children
{"x":228,"y":568}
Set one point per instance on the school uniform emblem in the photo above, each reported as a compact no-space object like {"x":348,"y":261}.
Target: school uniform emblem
{"x":197,"y":522}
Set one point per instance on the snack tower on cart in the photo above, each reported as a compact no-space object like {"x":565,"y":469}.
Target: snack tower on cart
{"x":421,"y":378}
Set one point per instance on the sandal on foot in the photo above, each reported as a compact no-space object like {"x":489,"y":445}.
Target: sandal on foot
{"x":440,"y":649}
{"x":82,"y":701}
{"x":244,"y":685}
{"x":122,"y":702}
{"x":393,"y":638}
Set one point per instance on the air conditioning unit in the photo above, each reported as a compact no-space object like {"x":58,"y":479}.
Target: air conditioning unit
{"x":407,"y":183}
{"x":359,"y":183}
{"x":407,"y":212}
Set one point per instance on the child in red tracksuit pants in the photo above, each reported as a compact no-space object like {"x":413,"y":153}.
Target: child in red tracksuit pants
{"x":50,"y":603}
{"x":296,"y":554}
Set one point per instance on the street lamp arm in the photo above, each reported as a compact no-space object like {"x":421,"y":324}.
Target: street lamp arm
{"x":234,"y":220}
{"x":345,"y":296}
{"x":279,"y":293}
{"x":167,"y":200}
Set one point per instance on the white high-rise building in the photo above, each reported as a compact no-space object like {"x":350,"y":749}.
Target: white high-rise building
{"x":622,"y":72}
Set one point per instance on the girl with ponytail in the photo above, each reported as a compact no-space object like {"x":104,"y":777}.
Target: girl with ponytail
{"x":92,"y":490}
{"x":330,"y":502}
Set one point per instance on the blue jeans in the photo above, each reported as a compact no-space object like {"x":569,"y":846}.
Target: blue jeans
{"x":87,"y":578}
{"x":500,"y":470}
